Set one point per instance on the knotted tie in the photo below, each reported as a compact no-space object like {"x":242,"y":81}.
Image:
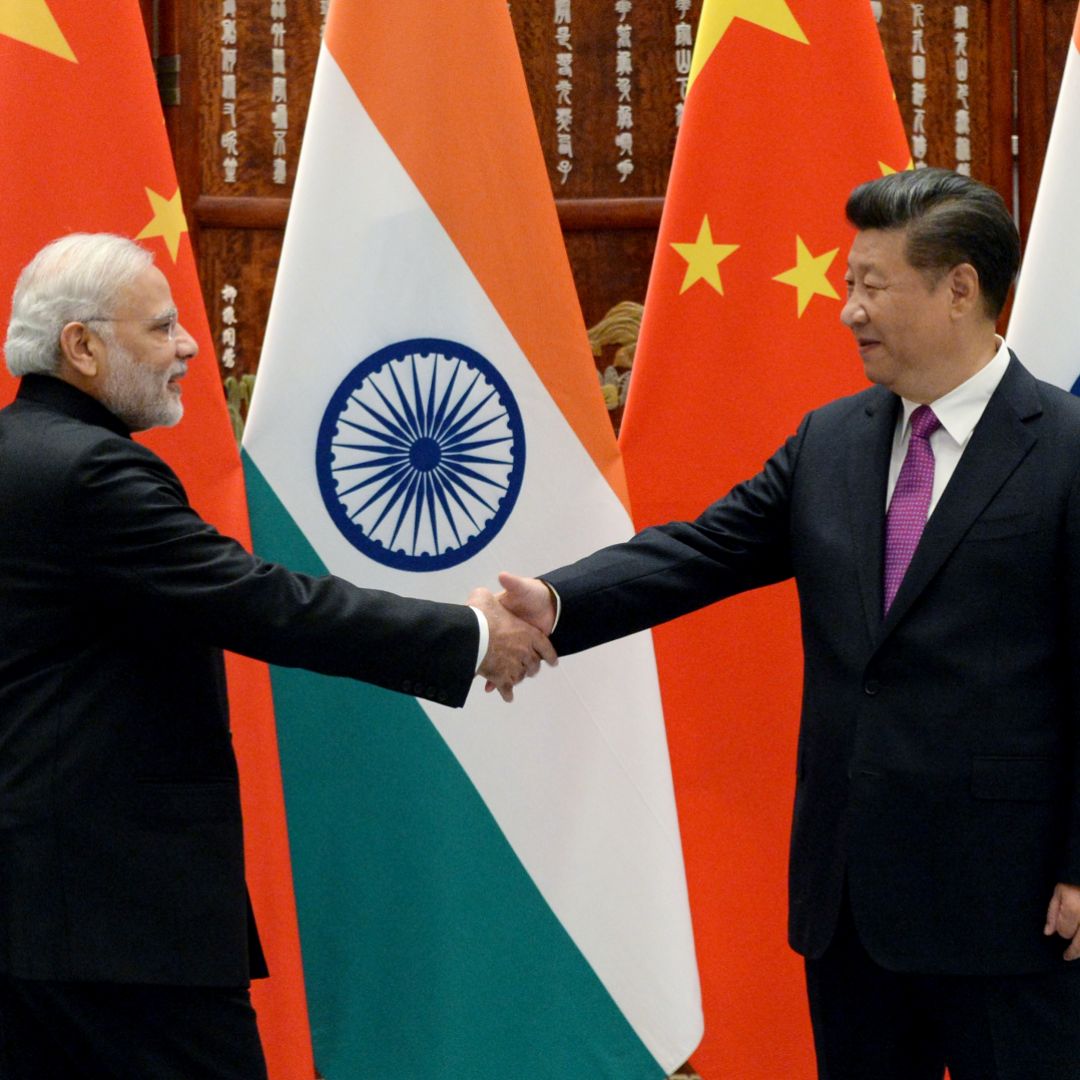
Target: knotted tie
{"x":906,"y":517}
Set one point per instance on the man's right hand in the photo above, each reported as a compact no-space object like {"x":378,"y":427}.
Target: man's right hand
{"x":529,"y":599}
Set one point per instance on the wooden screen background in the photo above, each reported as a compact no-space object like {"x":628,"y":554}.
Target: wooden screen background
{"x":976,"y":83}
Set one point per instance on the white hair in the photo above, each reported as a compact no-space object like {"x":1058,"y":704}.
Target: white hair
{"x":73,"y":279}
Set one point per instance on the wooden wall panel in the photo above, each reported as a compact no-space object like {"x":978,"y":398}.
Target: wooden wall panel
{"x":1042,"y":40}
{"x":624,"y":79}
{"x":1059,"y":17}
{"x":609,"y":216}
{"x":938,"y":57}
{"x":235,"y":262}
{"x":611,"y":265}
{"x":651,"y":60}
{"x":255,"y":73}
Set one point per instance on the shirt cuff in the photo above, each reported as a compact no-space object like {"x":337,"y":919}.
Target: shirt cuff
{"x":557,"y":601}
{"x":485,"y":637}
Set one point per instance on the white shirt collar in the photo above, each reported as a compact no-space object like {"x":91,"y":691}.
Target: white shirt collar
{"x":962,"y":407}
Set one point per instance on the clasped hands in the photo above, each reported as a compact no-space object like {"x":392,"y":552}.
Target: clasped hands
{"x":519,"y":619}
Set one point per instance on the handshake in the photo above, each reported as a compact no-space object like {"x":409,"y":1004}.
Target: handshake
{"x":519,"y":619}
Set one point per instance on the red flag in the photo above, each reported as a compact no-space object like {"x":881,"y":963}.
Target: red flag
{"x":84,"y":149}
{"x":790,"y":106}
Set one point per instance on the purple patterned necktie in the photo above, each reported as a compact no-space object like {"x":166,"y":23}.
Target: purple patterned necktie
{"x":906,"y":517}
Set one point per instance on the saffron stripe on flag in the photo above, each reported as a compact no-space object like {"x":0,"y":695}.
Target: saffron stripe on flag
{"x":431,"y":146}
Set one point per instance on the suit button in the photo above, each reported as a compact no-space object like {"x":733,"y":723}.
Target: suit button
{"x":871,"y":687}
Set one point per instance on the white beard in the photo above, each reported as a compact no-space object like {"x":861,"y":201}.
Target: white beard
{"x":138,"y":395}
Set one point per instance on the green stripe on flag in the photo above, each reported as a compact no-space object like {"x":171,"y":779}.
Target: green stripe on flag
{"x":426,"y":944}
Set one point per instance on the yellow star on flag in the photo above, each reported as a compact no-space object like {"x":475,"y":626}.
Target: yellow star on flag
{"x":888,"y":170}
{"x":718,"y":15}
{"x":808,"y":274}
{"x":703,"y":258}
{"x":168,"y":221}
{"x":32,"y":23}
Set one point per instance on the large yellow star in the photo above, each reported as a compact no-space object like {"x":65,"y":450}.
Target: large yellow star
{"x":888,"y":170}
{"x":32,"y":23}
{"x":718,"y":15}
{"x":168,"y":220}
{"x":808,"y":274}
{"x":703,"y":258}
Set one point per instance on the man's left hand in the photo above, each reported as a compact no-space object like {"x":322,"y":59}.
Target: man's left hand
{"x":1063,"y":917}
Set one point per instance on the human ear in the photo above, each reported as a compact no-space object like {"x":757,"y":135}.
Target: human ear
{"x":80,"y":348}
{"x":964,"y":290}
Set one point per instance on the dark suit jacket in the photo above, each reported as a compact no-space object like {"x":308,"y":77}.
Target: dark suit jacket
{"x":120,"y":833}
{"x":938,"y":753}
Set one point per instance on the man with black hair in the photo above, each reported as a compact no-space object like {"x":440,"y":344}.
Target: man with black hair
{"x":932,"y":526}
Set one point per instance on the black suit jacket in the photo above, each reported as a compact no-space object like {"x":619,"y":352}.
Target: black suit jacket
{"x":938,"y":751}
{"x":120,"y":836}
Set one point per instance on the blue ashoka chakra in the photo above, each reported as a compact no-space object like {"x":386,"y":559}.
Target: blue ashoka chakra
{"x":420,"y":454}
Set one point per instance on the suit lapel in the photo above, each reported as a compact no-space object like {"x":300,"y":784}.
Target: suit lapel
{"x":867,"y":479}
{"x":1000,"y":441}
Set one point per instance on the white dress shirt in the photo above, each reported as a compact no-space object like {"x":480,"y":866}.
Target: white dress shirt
{"x":485,"y":637}
{"x":958,"y":411}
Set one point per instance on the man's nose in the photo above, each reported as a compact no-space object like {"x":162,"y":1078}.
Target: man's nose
{"x":852,"y":313}
{"x":186,"y":345}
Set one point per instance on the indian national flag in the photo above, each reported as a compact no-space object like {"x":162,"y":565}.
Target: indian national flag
{"x":497,"y":890}
{"x":1044,"y":328}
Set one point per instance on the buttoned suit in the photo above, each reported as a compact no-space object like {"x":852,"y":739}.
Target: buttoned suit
{"x":937,"y":771}
{"x":121,"y":854}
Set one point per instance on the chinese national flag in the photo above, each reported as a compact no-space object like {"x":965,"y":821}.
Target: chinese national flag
{"x":790,"y":106}
{"x":84,"y":149}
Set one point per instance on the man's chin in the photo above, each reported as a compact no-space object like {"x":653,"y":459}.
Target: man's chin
{"x":874,"y":372}
{"x":163,"y":418}
{"x":174,"y":415}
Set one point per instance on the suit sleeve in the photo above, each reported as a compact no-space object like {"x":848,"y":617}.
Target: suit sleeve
{"x":1070,"y":868}
{"x":146,"y":553}
{"x":740,"y":542}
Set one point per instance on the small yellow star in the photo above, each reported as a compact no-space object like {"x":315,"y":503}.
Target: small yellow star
{"x":718,"y":15}
{"x":32,"y":23}
{"x":703,"y":258}
{"x":168,"y":221}
{"x":808,"y":274}
{"x":888,"y":170}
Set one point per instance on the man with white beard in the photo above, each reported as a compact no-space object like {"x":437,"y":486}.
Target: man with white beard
{"x":126,"y":937}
